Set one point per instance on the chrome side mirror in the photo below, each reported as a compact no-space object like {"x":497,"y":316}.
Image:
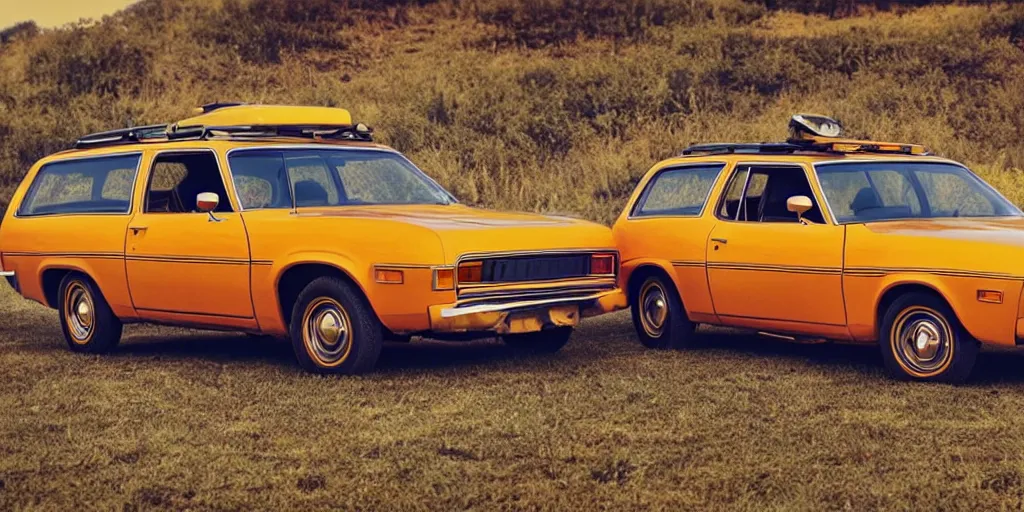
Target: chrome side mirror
{"x":799,"y":205}
{"x":206,"y":202}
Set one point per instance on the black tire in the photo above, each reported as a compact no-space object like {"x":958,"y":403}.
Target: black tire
{"x":86,"y":320}
{"x":921,"y":339}
{"x":546,"y":341}
{"x":359,"y":334}
{"x":675,"y":330}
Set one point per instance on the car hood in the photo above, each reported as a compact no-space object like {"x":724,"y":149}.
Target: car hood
{"x":1005,"y":231}
{"x":463,"y":229}
{"x":979,"y":245}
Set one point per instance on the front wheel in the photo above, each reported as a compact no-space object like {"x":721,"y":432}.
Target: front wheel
{"x":659,"y":317}
{"x":86,"y":320}
{"x":547,"y":341}
{"x":921,"y":339}
{"x":333,"y":329}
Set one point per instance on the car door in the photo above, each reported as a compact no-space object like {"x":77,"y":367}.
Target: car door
{"x":765,"y":265}
{"x":180,"y":260}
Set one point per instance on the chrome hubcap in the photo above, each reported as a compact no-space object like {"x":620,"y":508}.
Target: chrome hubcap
{"x":653,"y":309}
{"x":923,"y":340}
{"x":79,"y":312}
{"x":327,"y":331}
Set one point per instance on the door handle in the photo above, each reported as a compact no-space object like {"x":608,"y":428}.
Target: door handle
{"x":720,"y":240}
{"x":138,"y":229}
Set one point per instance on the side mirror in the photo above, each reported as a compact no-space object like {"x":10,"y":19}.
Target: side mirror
{"x":799,"y":205}
{"x":206,"y":202}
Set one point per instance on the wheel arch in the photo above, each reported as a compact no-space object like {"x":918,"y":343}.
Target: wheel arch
{"x":639,"y":270}
{"x":51,"y":275}
{"x":896,"y":289}
{"x":292,"y":278}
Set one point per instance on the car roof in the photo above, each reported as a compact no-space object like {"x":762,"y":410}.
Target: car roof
{"x":219,"y":145}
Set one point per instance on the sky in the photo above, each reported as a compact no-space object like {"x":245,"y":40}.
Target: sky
{"x":53,"y":13}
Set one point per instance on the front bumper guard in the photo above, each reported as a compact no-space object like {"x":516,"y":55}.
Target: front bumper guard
{"x":525,"y":315}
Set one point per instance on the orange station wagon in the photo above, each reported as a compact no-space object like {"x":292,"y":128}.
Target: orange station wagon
{"x":822,"y":238}
{"x":289,"y":221}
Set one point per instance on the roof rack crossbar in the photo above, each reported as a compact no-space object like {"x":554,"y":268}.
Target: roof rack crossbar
{"x":726,"y":148}
{"x":122,"y":136}
{"x":337,"y":132}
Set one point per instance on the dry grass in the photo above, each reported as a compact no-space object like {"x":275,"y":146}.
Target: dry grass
{"x":180,"y":419}
{"x":568,"y":126}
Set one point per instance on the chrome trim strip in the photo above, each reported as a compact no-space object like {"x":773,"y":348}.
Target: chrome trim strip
{"x":492,"y":308}
{"x":524,"y":294}
{"x":131,"y":198}
{"x":538,"y":252}
{"x":6,"y":273}
{"x":707,"y":196}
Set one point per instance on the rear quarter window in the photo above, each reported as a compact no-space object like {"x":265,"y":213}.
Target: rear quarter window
{"x":679,"y":191}
{"x":87,"y":185}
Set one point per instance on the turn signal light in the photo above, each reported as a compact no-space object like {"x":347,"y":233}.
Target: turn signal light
{"x":992,"y":296}
{"x":388,"y":276}
{"x":471,"y":272}
{"x":444,"y":279}
{"x":602,"y":264}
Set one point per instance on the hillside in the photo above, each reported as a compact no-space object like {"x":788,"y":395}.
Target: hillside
{"x":545,"y":105}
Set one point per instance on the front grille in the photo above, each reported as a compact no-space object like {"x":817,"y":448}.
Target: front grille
{"x":517,"y":269}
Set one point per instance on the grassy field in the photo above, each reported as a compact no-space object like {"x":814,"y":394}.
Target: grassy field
{"x":179,"y":419}
{"x":542,"y":105}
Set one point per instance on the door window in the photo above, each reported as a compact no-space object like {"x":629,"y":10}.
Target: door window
{"x":177,"y":178}
{"x":767,"y":190}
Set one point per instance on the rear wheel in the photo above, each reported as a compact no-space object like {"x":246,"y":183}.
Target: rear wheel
{"x":333,"y":329}
{"x":547,"y":341}
{"x":921,"y":339}
{"x":658,"y":315}
{"x":86,"y":320}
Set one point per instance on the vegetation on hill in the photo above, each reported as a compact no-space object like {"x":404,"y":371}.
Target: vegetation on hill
{"x":546,"y":105}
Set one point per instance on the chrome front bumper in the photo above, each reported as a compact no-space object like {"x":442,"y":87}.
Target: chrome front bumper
{"x":6,"y":273}
{"x":455,"y":311}
{"x":525,"y":315}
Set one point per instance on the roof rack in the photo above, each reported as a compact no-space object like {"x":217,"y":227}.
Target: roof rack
{"x":242,"y":120}
{"x":126,"y":135}
{"x":359,"y":132}
{"x":724,"y":148}
{"x":814,"y":133}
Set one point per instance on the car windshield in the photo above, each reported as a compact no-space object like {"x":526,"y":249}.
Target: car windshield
{"x":270,"y":178}
{"x":875,"y":191}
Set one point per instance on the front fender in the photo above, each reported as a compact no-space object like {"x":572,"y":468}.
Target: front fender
{"x":986,"y":322}
{"x":266,"y":278}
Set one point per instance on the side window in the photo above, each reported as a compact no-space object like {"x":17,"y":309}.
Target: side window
{"x":88,"y":185}
{"x":177,"y":178}
{"x":678,"y":191}
{"x":311,"y":180}
{"x":768,"y":192}
{"x":733,"y":195}
{"x":261,"y":179}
